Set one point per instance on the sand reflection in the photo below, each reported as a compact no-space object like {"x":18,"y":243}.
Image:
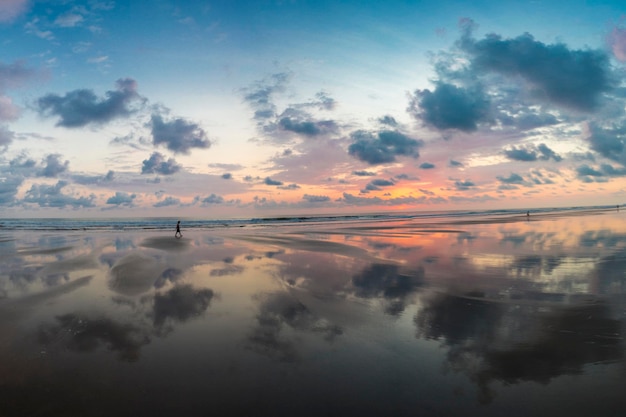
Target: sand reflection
{"x":391,"y":318}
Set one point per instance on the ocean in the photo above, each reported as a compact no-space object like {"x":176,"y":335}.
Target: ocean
{"x":166,"y":223}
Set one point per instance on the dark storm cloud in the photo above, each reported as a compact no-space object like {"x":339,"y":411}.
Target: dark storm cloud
{"x":316,"y":198}
{"x":157,"y":164}
{"x":269,"y":181}
{"x":52,"y":196}
{"x":450,"y":107}
{"x":53,"y":166}
{"x":178,"y":135}
{"x":382,"y":147}
{"x":531,"y":153}
{"x":609,"y":142}
{"x":122,"y":199}
{"x":180,"y":304}
{"x":82,"y":107}
{"x":572,"y":78}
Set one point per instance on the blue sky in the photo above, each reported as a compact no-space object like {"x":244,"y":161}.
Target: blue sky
{"x":232,"y":108}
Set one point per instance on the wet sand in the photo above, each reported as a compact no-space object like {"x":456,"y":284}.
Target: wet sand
{"x":492,"y":316}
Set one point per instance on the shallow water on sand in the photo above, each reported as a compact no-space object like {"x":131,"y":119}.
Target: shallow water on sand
{"x":494,"y":316}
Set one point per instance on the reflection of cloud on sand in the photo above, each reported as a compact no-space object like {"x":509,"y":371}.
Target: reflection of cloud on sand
{"x":167,"y":243}
{"x":299,"y":243}
{"x":134,"y":274}
{"x":512,"y":343}
{"x":278,"y":310}
{"x":386,"y":281}
{"x":180,"y":304}
{"x":84,"y":334}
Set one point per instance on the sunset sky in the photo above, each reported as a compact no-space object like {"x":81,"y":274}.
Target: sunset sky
{"x":258,"y":108}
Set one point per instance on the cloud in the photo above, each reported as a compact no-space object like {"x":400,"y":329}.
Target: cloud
{"x":617,"y":42}
{"x":609,"y":142}
{"x":316,"y":198}
{"x":122,"y":199}
{"x":227,"y":176}
{"x":8,"y":111}
{"x":464,"y":185}
{"x":226,"y":167}
{"x":455,"y":164}
{"x":6,"y":137}
{"x":53,"y":166}
{"x":571,"y":78}
{"x":167,"y":202}
{"x":450,"y":107}
{"x":9,"y":185}
{"x":259,"y":96}
{"x":512,"y":179}
{"x":427,"y":165}
{"x":51,"y":196}
{"x":269,"y":181}
{"x":382,"y":183}
{"x":289,"y":187}
{"x":10,"y":9}
{"x":178,"y":135}
{"x":93,"y":179}
{"x":388,"y":121}
{"x":213,"y":199}
{"x":82,"y":107}
{"x":14,"y":75}
{"x":382,"y":147}
{"x":158,"y":165}
{"x":68,"y":20}
{"x":363,"y":173}
{"x":601,"y":174}
{"x":307,"y":128}
{"x":532,"y":153}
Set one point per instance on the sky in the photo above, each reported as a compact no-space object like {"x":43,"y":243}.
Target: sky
{"x":294,"y":107}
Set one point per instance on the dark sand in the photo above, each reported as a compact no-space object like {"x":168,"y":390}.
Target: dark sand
{"x":472,"y":317}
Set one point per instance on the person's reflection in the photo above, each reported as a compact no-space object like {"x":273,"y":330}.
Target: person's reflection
{"x":516,"y":342}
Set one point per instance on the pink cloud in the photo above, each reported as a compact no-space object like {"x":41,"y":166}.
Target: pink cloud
{"x":617,"y":41}
{"x":10,"y":9}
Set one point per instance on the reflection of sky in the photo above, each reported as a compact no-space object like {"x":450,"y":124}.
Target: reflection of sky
{"x":362,"y":319}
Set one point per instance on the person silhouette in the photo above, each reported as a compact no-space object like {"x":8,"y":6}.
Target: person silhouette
{"x":178,"y":234}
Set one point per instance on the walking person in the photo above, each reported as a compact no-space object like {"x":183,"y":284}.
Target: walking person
{"x":178,"y":234}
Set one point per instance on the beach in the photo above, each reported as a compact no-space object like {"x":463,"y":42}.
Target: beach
{"x":482,"y":315}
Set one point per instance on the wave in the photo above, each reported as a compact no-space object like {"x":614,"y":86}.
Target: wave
{"x":167,"y":223}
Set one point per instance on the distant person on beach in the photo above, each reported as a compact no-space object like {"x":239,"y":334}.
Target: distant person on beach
{"x":178,"y":234}
{"x":528,"y":214}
